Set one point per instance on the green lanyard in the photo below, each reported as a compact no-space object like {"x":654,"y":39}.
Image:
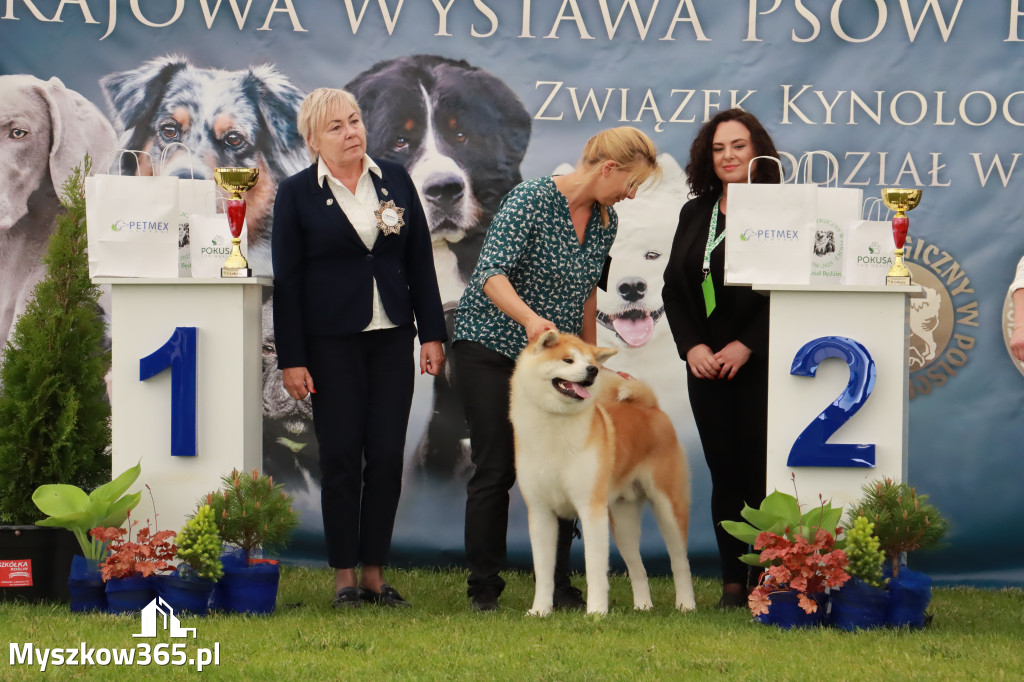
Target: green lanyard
{"x":707,"y":287}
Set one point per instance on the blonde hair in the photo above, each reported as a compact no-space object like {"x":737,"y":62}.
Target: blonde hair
{"x":630,"y":149}
{"x":315,"y":110}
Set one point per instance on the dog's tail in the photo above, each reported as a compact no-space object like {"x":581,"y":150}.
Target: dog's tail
{"x":636,"y":391}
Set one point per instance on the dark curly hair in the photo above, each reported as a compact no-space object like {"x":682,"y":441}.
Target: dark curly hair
{"x":700,"y":171}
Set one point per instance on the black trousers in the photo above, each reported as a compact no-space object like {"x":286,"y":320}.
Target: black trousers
{"x":482,"y":380}
{"x":732,"y":420}
{"x":364,"y":385}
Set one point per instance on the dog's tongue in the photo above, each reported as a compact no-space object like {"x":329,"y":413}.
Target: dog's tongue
{"x":578,"y":390}
{"x":634,"y":332}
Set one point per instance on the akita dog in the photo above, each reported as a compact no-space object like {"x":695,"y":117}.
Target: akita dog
{"x":590,"y":443}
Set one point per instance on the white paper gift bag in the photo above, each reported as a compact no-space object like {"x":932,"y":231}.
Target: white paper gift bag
{"x":836,"y":207}
{"x":210,"y":243}
{"x":768,"y":233}
{"x":195,"y":195}
{"x":869,"y":247}
{"x":132,"y":225}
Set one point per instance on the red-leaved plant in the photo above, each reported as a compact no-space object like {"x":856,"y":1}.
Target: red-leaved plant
{"x":147,"y":555}
{"x":799,"y":565}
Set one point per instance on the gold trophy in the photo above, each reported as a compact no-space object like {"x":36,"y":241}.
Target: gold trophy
{"x":236,"y":181}
{"x":901,"y":201}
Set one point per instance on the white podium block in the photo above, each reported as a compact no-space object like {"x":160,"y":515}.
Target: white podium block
{"x":226,"y":314}
{"x":873,"y":316}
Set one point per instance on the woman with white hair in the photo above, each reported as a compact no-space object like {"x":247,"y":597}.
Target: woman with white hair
{"x":353,"y":280}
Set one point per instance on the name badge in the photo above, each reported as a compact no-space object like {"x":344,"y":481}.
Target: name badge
{"x":389,"y":217}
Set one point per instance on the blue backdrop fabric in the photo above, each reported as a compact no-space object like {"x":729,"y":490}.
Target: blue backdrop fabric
{"x":912,"y":93}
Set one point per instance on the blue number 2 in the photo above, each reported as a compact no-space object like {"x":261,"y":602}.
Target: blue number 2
{"x":811,"y":448}
{"x":178,"y":353}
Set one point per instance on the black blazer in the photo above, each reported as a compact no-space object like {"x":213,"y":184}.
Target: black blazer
{"x":323,"y":273}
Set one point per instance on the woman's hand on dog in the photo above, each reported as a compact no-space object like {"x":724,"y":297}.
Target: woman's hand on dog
{"x":297,"y":382}
{"x":431,"y":358}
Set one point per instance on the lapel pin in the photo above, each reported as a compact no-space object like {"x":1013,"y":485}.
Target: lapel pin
{"x":384,"y":191}
{"x":330,"y":202}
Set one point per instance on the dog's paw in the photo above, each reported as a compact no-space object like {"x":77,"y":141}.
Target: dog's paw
{"x":688,"y":605}
{"x":539,"y":612}
{"x":643,"y":606}
{"x":597,"y":614}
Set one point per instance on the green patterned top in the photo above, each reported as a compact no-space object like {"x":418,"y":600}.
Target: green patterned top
{"x":532,"y":242}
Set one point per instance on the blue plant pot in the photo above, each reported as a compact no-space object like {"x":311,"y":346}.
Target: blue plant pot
{"x":858,"y":606}
{"x":785,"y":611}
{"x":190,"y":595}
{"x":251,"y":589}
{"x":129,"y":595}
{"x":909,"y":595}
{"x":86,"y":589}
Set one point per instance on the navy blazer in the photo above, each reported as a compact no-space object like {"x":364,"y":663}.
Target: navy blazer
{"x":323,"y":273}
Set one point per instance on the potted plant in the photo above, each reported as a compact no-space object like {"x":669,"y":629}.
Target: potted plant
{"x":69,"y":507}
{"x":255,"y":515}
{"x":131,"y":564}
{"x":798,"y":552}
{"x":903,"y":522}
{"x":191,"y":585}
{"x":863,"y":601}
{"x":54,"y":413}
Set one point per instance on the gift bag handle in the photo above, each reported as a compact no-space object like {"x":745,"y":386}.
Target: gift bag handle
{"x":782,"y":173}
{"x":874,"y":205}
{"x":163,"y":158}
{"x":830,"y":161}
{"x":120,"y":153}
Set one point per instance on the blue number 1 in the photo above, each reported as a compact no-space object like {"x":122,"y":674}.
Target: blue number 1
{"x":178,"y":353}
{"x":811,"y":448}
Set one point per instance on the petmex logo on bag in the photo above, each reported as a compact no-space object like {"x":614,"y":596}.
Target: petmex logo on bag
{"x":769,"y":235}
{"x":139,"y":226}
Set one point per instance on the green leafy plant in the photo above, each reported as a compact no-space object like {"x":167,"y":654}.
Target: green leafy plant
{"x":864,"y":552}
{"x":199,"y":545}
{"x":68,"y":506}
{"x":904,"y":521}
{"x":54,"y":413}
{"x":797,"y":550}
{"x":252,"y":512}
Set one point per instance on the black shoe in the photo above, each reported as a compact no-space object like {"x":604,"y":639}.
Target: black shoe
{"x":732,"y":600}
{"x":485,"y":600}
{"x":568,"y":598}
{"x":388,"y":596}
{"x":347,"y":598}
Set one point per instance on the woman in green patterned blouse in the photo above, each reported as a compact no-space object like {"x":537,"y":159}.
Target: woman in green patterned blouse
{"x":539,"y":268}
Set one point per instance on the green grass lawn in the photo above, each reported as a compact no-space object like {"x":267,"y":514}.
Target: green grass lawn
{"x":975,"y":635}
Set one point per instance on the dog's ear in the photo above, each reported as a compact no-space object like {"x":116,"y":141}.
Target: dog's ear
{"x":278,"y":102}
{"x":77,"y":128}
{"x":602,"y":354}
{"x":546,"y":340}
{"x":134,"y":95}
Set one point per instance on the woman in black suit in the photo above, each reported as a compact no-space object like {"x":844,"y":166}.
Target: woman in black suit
{"x":722,"y":332}
{"x":353,"y":270}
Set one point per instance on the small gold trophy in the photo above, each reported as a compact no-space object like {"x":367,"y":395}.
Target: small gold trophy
{"x":901,"y":201}
{"x":236,"y":181}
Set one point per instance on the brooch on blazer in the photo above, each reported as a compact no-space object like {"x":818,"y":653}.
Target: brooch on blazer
{"x":389,"y":217}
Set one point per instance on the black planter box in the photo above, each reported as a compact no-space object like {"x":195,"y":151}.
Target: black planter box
{"x":35,"y":562}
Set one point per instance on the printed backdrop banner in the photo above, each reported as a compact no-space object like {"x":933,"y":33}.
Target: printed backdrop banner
{"x":473,"y":95}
